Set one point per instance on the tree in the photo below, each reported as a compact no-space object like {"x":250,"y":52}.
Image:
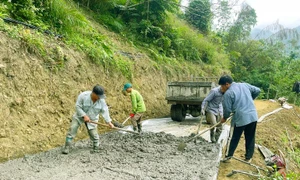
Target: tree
{"x":199,"y":15}
{"x":23,"y":9}
{"x":257,"y":63}
{"x":243,"y":25}
{"x":222,"y":15}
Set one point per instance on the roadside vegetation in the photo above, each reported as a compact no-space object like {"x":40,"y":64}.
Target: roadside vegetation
{"x":165,"y":33}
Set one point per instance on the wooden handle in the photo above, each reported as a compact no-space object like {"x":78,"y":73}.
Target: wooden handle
{"x":208,"y":129}
{"x":101,"y":124}
{"x":126,"y":120}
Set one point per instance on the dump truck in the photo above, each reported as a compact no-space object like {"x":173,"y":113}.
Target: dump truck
{"x":186,"y":97}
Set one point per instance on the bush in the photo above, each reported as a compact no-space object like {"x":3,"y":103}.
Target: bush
{"x":3,"y":10}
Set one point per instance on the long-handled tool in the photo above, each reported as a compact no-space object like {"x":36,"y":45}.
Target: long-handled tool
{"x":126,"y":120}
{"x":120,"y":129}
{"x":250,"y":164}
{"x":228,"y":140}
{"x":182,"y":145}
{"x":201,"y":119}
{"x":242,"y":172}
{"x":199,"y":125}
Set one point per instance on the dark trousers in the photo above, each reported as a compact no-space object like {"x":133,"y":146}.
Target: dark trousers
{"x":249,"y":133}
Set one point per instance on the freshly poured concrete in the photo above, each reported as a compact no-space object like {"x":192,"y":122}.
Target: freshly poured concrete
{"x":126,"y":156}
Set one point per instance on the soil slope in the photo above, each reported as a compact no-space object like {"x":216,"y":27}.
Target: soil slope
{"x":37,"y":102}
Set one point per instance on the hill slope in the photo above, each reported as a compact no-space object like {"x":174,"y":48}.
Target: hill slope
{"x":41,"y":78}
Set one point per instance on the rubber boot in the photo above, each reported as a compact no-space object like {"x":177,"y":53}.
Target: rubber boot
{"x":66,"y":149}
{"x":139,"y":128}
{"x":212,"y":137}
{"x":134,"y":128}
{"x":95,"y":149}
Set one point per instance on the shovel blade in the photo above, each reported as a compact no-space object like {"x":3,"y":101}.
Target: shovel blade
{"x":181,"y":146}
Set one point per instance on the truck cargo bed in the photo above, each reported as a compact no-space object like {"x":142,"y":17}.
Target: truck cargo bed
{"x":188,"y":92}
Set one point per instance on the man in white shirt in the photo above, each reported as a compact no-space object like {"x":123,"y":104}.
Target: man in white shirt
{"x":89,"y":105}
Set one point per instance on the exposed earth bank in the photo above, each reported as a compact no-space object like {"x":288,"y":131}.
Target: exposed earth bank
{"x":37,"y":98}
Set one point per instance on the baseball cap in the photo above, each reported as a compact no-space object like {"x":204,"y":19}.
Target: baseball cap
{"x":99,"y":91}
{"x":126,"y":86}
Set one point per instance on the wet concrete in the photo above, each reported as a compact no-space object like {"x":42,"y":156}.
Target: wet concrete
{"x":124,"y":156}
{"x":185,"y":128}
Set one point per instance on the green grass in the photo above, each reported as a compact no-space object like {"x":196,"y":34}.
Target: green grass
{"x":33,"y":42}
{"x":3,"y":10}
{"x":79,"y":28}
{"x":195,"y":46}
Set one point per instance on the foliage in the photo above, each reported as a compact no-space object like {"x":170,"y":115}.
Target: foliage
{"x":222,"y":14}
{"x":23,"y":9}
{"x":265,"y":66}
{"x":96,"y":5}
{"x":3,"y":10}
{"x":200,"y":15}
{"x":250,"y":62}
{"x":11,"y":31}
{"x":125,"y":67}
{"x":260,"y":63}
{"x":278,"y":176}
{"x":153,"y":26}
{"x":32,"y":42}
{"x":242,"y":26}
{"x":65,"y":17}
{"x":152,"y":11}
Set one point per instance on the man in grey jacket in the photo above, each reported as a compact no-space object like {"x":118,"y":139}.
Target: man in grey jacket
{"x":238,"y":99}
{"x":213,"y":111}
{"x":89,"y":105}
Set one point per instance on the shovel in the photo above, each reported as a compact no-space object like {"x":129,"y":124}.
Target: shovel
{"x":199,"y":125}
{"x":182,"y":145}
{"x":126,"y":120}
{"x":201,"y":119}
{"x":120,"y":129}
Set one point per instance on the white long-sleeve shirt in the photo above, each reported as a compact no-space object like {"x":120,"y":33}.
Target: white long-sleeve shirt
{"x":85,"y":106}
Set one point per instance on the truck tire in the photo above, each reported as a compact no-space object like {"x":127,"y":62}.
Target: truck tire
{"x":178,"y":112}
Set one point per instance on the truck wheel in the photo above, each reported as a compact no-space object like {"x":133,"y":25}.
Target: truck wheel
{"x":178,"y":112}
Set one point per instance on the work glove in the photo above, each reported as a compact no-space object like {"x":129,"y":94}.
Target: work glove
{"x":202,"y":112}
{"x":131,"y":115}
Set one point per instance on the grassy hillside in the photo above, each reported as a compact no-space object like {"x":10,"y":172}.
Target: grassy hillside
{"x":41,"y":74}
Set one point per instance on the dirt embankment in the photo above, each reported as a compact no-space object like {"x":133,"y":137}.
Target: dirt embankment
{"x":36,"y":103}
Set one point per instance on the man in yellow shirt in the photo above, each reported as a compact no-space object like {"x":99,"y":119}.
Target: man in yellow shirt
{"x":138,"y":107}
